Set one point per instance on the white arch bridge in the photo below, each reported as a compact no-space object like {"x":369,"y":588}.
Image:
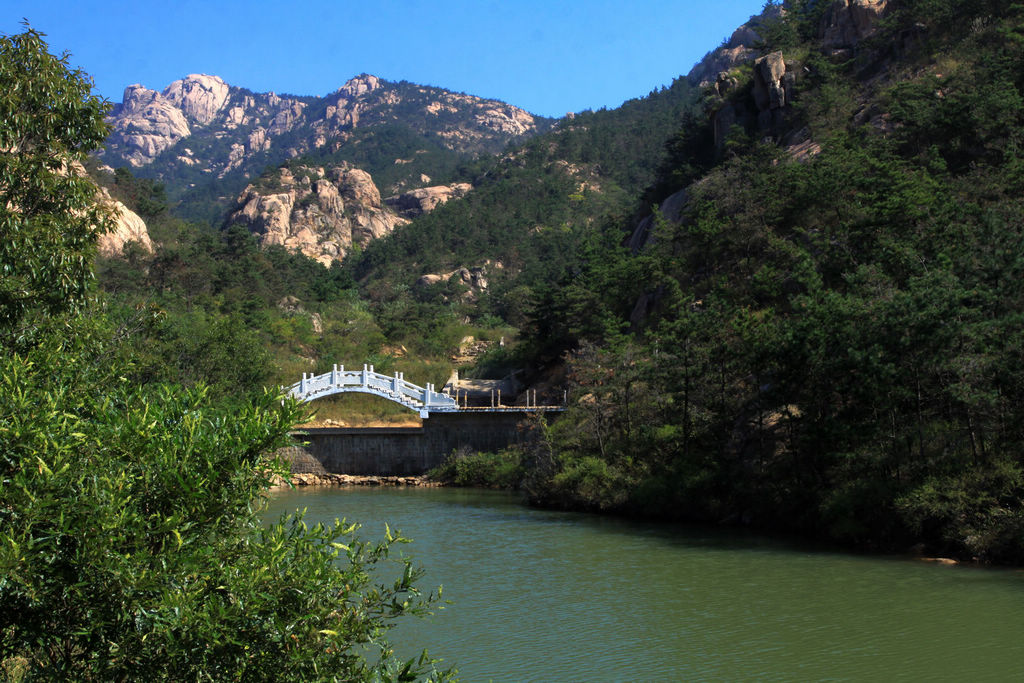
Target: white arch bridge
{"x":424,"y":400}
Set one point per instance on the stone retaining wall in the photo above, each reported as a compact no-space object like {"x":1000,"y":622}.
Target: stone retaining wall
{"x":307,"y":479}
{"x":408,"y":451}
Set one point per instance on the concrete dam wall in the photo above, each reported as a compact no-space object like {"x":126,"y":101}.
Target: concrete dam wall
{"x":405,"y":451}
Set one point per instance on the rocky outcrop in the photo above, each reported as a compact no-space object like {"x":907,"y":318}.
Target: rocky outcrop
{"x":504,"y":118}
{"x":847,"y":22}
{"x":146,"y":125}
{"x":738,"y":49}
{"x":426,"y":199}
{"x":148,"y":122}
{"x":671,"y":210}
{"x":128,"y":228}
{"x":474,"y":279}
{"x":319,"y":212}
{"x":200,"y":124}
{"x":330,"y":479}
{"x":461,"y":121}
{"x":126,"y":225}
{"x":199,"y":97}
{"x":774,"y":89}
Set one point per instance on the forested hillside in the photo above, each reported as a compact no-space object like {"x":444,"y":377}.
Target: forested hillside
{"x":829,"y":341}
{"x":538,"y":214}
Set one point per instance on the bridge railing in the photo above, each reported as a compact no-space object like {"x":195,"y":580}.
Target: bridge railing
{"x":395,"y":388}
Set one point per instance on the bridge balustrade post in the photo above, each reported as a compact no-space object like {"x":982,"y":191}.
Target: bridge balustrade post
{"x":364,"y":375}
{"x":302,"y":385}
{"x":394,"y":383}
{"x":334,"y":375}
{"x":341,"y":375}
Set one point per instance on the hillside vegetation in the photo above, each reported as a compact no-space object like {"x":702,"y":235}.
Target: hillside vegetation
{"x":828,"y":341}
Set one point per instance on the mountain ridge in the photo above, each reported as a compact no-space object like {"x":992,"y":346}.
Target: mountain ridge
{"x":206,"y":139}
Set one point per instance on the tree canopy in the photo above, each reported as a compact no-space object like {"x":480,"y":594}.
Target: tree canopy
{"x":49,"y":218}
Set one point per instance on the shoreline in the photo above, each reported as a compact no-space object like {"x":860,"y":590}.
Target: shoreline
{"x":303,"y":479}
{"x":310,"y":479}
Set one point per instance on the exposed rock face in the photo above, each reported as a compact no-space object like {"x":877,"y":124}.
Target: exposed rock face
{"x":774,"y":86}
{"x":847,"y":22}
{"x":737,"y":50}
{"x":148,"y":122}
{"x":319,"y":212}
{"x":504,"y":119}
{"x":426,"y":199}
{"x":198,"y":96}
{"x":473,"y":278}
{"x":671,"y":210}
{"x":233,"y":126}
{"x":360,"y":85}
{"x":768,"y":73}
{"x":773,"y":89}
{"x":460,"y":120}
{"x":128,"y":227}
{"x":147,"y":125}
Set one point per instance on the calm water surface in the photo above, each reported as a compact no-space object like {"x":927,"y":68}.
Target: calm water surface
{"x":549,"y":596}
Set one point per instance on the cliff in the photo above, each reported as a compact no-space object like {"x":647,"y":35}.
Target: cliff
{"x":324,"y":211}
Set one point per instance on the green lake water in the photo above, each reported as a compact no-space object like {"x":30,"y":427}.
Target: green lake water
{"x":551,"y":596}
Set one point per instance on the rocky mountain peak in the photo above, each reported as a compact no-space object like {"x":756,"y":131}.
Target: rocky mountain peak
{"x":199,"y":96}
{"x":736,"y":49}
{"x":206,"y":132}
{"x":137,"y":97}
{"x":146,"y":124}
{"x":360,"y":85}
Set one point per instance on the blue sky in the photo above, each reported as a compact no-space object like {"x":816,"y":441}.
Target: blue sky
{"x":548,"y":57}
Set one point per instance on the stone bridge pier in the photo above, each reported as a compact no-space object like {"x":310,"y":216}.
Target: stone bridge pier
{"x":407,"y":451}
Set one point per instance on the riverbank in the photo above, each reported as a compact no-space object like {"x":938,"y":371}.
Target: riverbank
{"x":303,"y":479}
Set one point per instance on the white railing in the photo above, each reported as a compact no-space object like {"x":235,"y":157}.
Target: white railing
{"x":339,"y":381}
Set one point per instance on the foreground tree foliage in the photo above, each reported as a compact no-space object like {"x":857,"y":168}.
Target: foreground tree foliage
{"x":48,"y":120}
{"x":131,"y":541}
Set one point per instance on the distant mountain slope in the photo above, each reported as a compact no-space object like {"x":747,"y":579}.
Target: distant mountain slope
{"x":205,"y":138}
{"x":534,"y":214}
